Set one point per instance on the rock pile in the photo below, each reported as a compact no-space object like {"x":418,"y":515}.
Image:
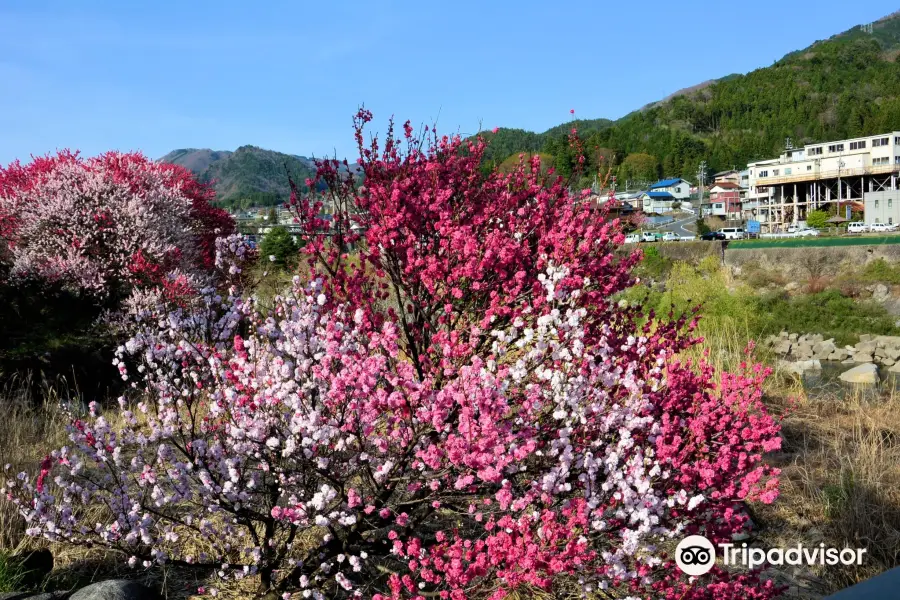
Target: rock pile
{"x":880,"y":349}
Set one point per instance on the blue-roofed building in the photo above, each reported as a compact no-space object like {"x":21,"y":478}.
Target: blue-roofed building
{"x":679,"y":188}
{"x":657,"y":202}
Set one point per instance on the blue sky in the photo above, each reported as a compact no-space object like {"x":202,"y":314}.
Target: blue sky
{"x":155,"y":76}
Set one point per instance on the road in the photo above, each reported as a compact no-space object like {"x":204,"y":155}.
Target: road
{"x":678,"y":226}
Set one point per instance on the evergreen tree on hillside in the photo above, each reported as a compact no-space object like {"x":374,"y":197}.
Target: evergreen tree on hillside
{"x":278,"y":243}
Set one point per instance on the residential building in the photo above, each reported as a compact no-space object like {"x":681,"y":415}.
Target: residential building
{"x":882,"y":207}
{"x":724,"y":200}
{"x":732,"y":176}
{"x":657,"y":202}
{"x":680,"y":189}
{"x":783,"y":190}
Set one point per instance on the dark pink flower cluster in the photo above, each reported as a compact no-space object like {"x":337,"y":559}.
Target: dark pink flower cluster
{"x":461,"y":409}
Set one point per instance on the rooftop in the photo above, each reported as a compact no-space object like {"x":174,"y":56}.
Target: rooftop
{"x":666,"y":183}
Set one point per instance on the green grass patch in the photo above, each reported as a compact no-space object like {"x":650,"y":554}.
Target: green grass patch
{"x":11,"y":574}
{"x":829,"y":312}
{"x":728,"y":305}
{"x":861,"y":240}
{"x":881,"y":271}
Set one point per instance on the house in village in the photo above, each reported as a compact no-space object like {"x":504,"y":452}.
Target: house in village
{"x":725,"y":199}
{"x":680,"y":189}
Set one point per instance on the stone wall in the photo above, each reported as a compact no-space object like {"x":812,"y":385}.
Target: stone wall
{"x":689,"y":252}
{"x":808,"y":262}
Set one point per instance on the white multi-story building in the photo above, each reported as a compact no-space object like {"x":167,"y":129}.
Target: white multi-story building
{"x":782,"y":190}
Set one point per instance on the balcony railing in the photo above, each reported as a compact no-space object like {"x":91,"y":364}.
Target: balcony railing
{"x":815,"y":175}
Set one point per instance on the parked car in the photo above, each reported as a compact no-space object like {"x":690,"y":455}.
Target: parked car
{"x":651,"y":236}
{"x":632,"y":238}
{"x":671,"y":236}
{"x":857,"y":227}
{"x":881,"y":227}
{"x":732,"y":233}
{"x":712,"y":236}
{"x":807,"y":232}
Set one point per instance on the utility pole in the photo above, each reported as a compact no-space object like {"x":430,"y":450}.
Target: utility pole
{"x":840,"y":166}
{"x":701,"y":179}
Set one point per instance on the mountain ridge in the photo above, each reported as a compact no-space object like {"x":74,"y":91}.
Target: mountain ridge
{"x":840,"y":87}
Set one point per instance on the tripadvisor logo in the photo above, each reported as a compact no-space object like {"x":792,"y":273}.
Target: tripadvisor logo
{"x":695,"y":555}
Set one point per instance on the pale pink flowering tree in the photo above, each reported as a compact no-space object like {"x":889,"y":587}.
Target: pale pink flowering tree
{"x":463,"y":412}
{"x":105,"y":224}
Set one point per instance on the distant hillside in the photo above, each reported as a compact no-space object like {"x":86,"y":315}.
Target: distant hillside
{"x":249,"y":176}
{"x":845,"y":86}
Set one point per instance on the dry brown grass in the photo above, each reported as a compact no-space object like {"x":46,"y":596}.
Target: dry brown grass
{"x":841,"y":481}
{"x":26,"y":429}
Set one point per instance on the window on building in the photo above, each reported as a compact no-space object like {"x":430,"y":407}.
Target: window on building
{"x":809,"y":167}
{"x":897,"y":141}
{"x":881,"y":142}
{"x":763,"y":173}
{"x":836,"y":148}
{"x":860,"y":145}
{"x":897,"y":160}
{"x":815,"y":151}
{"x":890,"y":220}
{"x":787,"y":171}
{"x":876,"y":204}
{"x":884,"y":160}
{"x":890,"y":203}
{"x":719,"y":205}
{"x":775,"y":172}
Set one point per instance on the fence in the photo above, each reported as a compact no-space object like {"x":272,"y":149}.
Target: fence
{"x":812,"y":242}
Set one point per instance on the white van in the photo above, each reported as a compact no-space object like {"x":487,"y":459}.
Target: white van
{"x":732,"y":233}
{"x":857,"y":227}
{"x":633,"y":238}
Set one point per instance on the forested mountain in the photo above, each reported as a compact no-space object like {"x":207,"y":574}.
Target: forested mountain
{"x":842,"y":87}
{"x":845,"y":86}
{"x":249,"y":176}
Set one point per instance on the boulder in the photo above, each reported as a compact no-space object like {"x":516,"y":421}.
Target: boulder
{"x":116,"y":589}
{"x":838,"y":355}
{"x":861,"y":357}
{"x":792,"y":286}
{"x":802,"y":351}
{"x":866,"y":337}
{"x":888,"y":361}
{"x":32,"y":596}
{"x":866,"y":374}
{"x":799,"y":367}
{"x":881,"y":293}
{"x":793,"y":337}
{"x":867,"y":347}
{"x":783,"y":347}
{"x":822,"y":350}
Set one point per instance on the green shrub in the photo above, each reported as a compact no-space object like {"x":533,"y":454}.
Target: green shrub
{"x":881,"y":271}
{"x":278,"y":243}
{"x":830,"y":313}
{"x":654,"y":265}
{"x":816,"y":218}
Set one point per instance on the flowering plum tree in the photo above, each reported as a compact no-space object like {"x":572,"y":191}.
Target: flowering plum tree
{"x":103,"y":224}
{"x":463,"y":411}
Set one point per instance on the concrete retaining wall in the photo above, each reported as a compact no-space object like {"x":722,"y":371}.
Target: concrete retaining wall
{"x":809,"y":262}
